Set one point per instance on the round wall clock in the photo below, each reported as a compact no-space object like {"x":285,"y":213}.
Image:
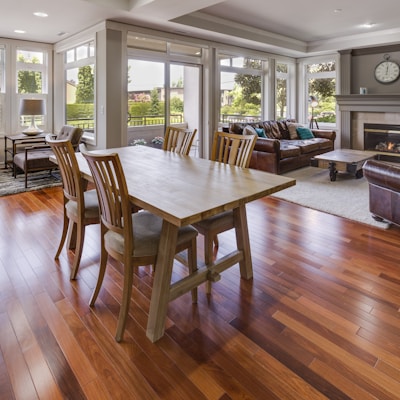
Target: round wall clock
{"x":387,"y":71}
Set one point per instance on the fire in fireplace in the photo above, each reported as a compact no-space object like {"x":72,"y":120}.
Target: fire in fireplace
{"x":382,"y":137}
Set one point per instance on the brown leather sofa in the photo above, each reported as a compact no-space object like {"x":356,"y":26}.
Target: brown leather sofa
{"x":283,"y":150}
{"x":384,"y":190}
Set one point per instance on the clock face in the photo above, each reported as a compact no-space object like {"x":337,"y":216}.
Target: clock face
{"x":387,"y":72}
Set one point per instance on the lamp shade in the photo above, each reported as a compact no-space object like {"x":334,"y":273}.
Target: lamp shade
{"x":313,"y":101}
{"x":32,"y":107}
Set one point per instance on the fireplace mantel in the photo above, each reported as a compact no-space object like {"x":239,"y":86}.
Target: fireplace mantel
{"x":369,"y":102}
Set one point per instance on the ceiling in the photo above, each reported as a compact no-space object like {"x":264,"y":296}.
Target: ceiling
{"x":290,"y":27}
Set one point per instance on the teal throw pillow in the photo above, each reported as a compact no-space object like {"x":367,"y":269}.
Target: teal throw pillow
{"x":260,"y":132}
{"x":304,"y":133}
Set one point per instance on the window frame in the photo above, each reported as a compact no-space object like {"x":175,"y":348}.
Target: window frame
{"x":89,"y":135}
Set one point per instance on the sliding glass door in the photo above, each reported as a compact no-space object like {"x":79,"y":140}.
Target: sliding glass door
{"x":160,"y":94}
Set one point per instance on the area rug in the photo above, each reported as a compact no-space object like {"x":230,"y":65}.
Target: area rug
{"x":36,"y":180}
{"x":347,"y":197}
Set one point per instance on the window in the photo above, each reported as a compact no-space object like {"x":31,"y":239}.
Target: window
{"x":281,"y":91}
{"x":240,"y":88}
{"x":321,"y":84}
{"x":80,"y":87}
{"x":2,"y":88}
{"x":163,"y":84}
{"x":32,"y":81}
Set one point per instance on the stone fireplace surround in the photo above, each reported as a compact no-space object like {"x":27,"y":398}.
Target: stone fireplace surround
{"x":357,"y":110}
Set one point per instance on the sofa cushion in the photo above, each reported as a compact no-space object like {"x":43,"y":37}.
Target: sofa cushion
{"x":304,"y":133}
{"x":287,"y":149}
{"x":38,"y":159}
{"x":283,"y":128}
{"x":323,"y":143}
{"x":306,"y":146}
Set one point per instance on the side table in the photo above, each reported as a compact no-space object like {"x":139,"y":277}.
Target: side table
{"x":18,"y":143}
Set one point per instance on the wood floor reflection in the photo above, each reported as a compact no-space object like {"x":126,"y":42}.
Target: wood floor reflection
{"x":319,"y":320}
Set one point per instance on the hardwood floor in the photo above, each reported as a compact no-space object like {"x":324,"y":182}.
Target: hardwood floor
{"x":319,"y":320}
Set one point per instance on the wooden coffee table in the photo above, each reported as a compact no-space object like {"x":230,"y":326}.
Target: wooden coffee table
{"x":343,"y":160}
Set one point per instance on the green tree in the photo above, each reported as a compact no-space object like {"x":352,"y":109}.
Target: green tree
{"x":176,"y":105}
{"x":325,"y":87}
{"x":29,"y":81}
{"x":250,"y":84}
{"x":155,"y":108}
{"x":85,"y":87}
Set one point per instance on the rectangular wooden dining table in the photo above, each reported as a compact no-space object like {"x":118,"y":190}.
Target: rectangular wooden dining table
{"x":183,"y":190}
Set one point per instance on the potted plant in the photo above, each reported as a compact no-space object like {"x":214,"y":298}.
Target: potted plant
{"x":138,"y":142}
{"x":157,"y":142}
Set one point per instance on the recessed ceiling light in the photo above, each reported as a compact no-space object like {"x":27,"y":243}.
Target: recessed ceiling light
{"x":41,"y":14}
{"x":368,"y":25}
{"x":61,"y":33}
{"x":19,"y":31}
{"x":337,"y":10}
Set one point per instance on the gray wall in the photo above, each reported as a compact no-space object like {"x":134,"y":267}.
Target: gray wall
{"x":363,"y":63}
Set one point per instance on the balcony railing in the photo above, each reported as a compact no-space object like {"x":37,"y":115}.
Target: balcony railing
{"x":143,"y":120}
{"x":225,"y":118}
{"x":134,"y":120}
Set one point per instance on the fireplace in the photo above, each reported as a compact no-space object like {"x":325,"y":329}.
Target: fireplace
{"x":382,"y":137}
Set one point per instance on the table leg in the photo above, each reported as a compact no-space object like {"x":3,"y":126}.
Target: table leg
{"x":332,"y":171}
{"x":162,"y":282}
{"x":242,"y":241}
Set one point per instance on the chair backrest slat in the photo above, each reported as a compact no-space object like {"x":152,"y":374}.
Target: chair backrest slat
{"x":178,"y":140}
{"x":112,"y":190}
{"x":69,"y":169}
{"x":233,"y":149}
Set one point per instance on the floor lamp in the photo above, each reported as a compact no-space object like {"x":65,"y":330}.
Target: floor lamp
{"x":314,"y":103}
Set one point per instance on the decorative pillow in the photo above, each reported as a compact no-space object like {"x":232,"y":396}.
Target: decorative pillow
{"x":236,"y":128}
{"x":249,"y":130}
{"x":261,"y":132}
{"x":292,"y":127}
{"x":304,"y":133}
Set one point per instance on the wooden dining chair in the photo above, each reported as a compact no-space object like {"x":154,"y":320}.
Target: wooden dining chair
{"x":81,"y":207}
{"x":178,"y":140}
{"x":131,"y":238}
{"x":233,"y":149}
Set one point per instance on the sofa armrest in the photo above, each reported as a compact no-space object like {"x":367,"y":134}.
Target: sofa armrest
{"x":382,"y":174}
{"x":324,"y":133}
{"x":267,"y":145}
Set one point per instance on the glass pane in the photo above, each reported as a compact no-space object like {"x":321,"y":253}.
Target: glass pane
{"x":146,"y":94}
{"x":2,"y":71}
{"x":82,"y":52}
{"x":321,"y":67}
{"x":185,"y":50}
{"x":30,"y":57}
{"x":283,"y":68}
{"x":70,"y":56}
{"x":184,"y":99}
{"x":80,"y":97}
{"x":324,"y":110}
{"x":29,"y":82}
{"x":240,"y":97}
{"x":281,"y":99}
{"x":139,"y":42}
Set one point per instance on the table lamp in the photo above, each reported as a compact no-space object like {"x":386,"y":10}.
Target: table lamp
{"x":32,"y":107}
